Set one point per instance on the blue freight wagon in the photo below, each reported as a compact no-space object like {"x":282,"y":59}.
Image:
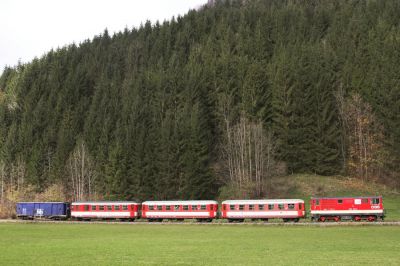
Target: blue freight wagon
{"x":48,"y":210}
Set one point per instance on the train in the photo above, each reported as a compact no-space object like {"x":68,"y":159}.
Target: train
{"x":321,"y":209}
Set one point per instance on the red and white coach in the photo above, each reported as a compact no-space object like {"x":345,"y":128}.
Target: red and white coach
{"x":347,"y":208}
{"x":286,"y":209}
{"x":123,"y":210}
{"x":202,"y":210}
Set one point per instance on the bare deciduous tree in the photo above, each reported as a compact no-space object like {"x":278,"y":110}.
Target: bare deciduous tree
{"x":248,"y":152}
{"x":81,"y":172}
{"x":363,"y":136}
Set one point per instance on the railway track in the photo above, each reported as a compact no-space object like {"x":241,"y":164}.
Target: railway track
{"x":166,"y":223}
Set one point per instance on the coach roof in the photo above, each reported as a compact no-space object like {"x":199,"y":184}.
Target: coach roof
{"x":180,"y":202}
{"x":263,"y":201}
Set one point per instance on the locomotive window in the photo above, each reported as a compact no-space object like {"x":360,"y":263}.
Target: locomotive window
{"x":281,"y":206}
{"x":211,"y":208}
{"x":241,"y":207}
{"x":232,"y":207}
{"x":317,"y":202}
{"x":291,"y":206}
{"x":159,"y":207}
{"x":176,"y":207}
{"x":340,"y":201}
{"x":185,"y":207}
{"x":194,"y":207}
{"x":251,"y":207}
{"x":364,"y":201}
{"x":168,"y":207}
{"x":203,"y":207}
{"x":261,"y":207}
{"x":101,"y":208}
{"x":116,"y":208}
{"x":375,"y":201}
{"x":270,"y":206}
{"x":109,"y":207}
{"x":151,"y":207}
{"x":124,"y":207}
{"x":86,"y":207}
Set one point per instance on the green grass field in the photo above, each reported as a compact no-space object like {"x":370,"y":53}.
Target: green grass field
{"x":125,"y":244}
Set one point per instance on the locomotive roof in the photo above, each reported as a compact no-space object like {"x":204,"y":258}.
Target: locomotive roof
{"x":364,"y":197}
{"x":103,"y":202}
{"x":263,"y":201}
{"x":179,"y":202}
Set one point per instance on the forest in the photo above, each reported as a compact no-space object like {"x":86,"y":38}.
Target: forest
{"x":208,"y":105}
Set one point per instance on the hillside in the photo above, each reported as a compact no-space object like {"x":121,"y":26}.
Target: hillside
{"x":216,"y":102}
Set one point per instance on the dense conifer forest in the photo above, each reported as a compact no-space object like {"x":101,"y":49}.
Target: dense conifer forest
{"x":211,"y":104}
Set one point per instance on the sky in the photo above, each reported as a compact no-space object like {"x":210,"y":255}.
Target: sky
{"x":30,"y":28}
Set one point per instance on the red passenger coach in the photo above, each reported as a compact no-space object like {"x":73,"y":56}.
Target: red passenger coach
{"x":124,"y":210}
{"x":202,"y":210}
{"x":347,"y":208}
{"x":286,"y":209}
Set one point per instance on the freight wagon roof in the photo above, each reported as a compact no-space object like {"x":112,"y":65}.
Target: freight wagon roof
{"x":103,"y":202}
{"x":364,"y":197}
{"x":41,"y":202}
{"x":263,"y":201}
{"x":180,"y":202}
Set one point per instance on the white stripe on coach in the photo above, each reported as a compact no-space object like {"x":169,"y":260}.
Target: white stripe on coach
{"x":150,"y":214}
{"x":235,"y":214}
{"x":102,"y":214}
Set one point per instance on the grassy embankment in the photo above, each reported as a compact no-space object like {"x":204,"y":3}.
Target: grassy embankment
{"x":124,"y":244}
{"x":306,"y":186}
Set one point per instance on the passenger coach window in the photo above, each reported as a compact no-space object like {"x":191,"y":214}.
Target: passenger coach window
{"x":151,"y":207}
{"x":101,"y":208}
{"x":168,"y":208}
{"x":176,"y":207}
{"x":86,"y":207}
{"x":241,"y":207}
{"x":124,"y":207}
{"x":270,"y":206}
{"x":159,"y":207}
{"x":116,"y":208}
{"x":375,"y":201}
{"x":251,"y":207}
{"x":203,"y":207}
{"x":185,"y":207}
{"x":232,"y":207}
{"x":281,"y":206}
{"x":261,"y":207}
{"x":291,"y":206}
{"x":94,"y":208}
{"x":194,"y":207}
{"x":109,"y":208}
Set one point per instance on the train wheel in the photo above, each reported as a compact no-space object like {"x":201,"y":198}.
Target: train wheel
{"x":371,"y":218}
{"x":265,"y":220}
{"x":296,"y":220}
{"x":337,"y":218}
{"x":230,"y":220}
{"x":322,"y":219}
{"x":357,"y":218}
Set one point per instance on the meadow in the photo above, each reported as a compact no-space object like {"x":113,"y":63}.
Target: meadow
{"x":191,"y":244}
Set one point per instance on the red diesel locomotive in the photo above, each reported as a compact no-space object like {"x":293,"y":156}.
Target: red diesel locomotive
{"x":286,"y":209}
{"x":123,"y":210}
{"x":202,"y":210}
{"x":347,"y":208}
